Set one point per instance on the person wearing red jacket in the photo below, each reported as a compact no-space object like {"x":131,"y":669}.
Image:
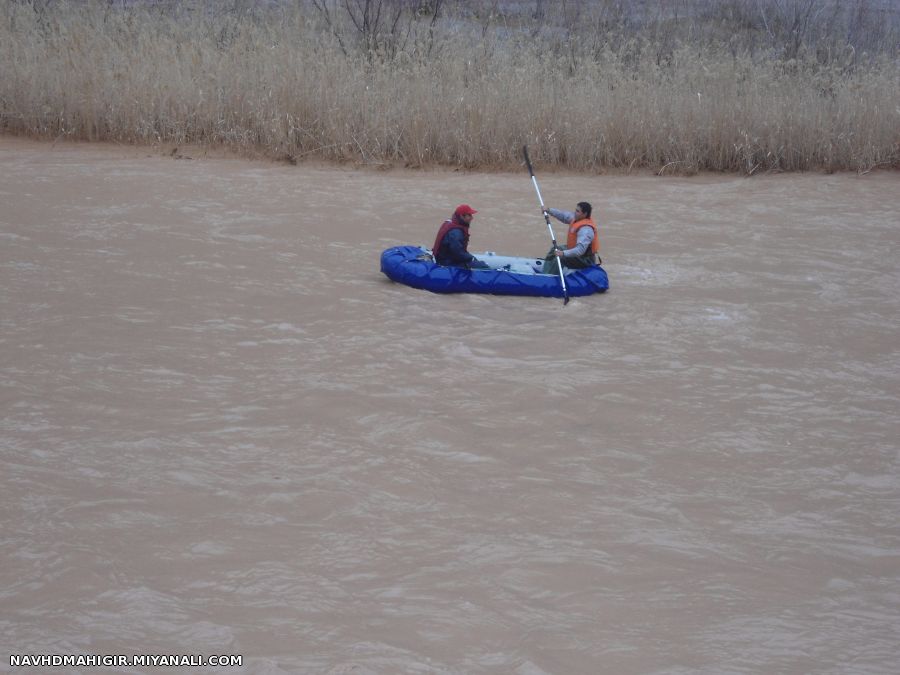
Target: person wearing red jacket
{"x":451,"y":246}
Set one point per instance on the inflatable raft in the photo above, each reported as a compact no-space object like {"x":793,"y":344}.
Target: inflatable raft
{"x":414,"y":266}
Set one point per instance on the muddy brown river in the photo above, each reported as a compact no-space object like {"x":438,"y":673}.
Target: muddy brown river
{"x":224,"y":432}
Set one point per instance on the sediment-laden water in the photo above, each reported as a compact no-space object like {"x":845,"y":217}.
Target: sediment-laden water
{"x":223,"y":431}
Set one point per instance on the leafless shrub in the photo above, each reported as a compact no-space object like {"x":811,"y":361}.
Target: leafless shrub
{"x":462,"y":82}
{"x":378,"y":27}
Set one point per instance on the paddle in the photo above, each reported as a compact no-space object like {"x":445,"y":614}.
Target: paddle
{"x":562,"y":278}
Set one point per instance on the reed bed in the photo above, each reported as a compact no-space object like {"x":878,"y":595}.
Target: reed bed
{"x":465,"y":91}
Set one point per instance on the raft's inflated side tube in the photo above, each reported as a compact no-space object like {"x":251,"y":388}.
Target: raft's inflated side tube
{"x":413,"y":266}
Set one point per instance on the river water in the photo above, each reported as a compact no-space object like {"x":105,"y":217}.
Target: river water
{"x":224,"y":431}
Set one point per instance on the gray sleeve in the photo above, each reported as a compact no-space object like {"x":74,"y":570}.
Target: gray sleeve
{"x":567,"y":217}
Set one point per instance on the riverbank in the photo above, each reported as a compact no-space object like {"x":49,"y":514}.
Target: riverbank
{"x":674,"y":96}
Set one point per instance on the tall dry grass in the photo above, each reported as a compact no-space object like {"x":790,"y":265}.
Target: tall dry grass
{"x":467,"y":90}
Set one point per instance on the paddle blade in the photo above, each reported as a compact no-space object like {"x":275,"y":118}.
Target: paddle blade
{"x":527,"y":160}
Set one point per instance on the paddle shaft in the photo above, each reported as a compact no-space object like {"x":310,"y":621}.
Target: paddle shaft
{"x":562,"y":277}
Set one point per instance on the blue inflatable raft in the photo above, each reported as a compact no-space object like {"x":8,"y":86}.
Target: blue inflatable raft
{"x":414,"y":266}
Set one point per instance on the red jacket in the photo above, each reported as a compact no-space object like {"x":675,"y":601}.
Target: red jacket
{"x":451,"y":257}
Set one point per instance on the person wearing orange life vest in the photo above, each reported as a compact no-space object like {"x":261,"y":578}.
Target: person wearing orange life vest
{"x":582,"y":243}
{"x":451,"y":246}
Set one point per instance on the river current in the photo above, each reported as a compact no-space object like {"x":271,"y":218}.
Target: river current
{"x":224,"y":431}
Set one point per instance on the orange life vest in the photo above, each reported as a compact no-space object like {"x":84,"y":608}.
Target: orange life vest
{"x":572,"y":240}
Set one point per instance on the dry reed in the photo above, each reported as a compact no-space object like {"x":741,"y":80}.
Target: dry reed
{"x":283,"y":83}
